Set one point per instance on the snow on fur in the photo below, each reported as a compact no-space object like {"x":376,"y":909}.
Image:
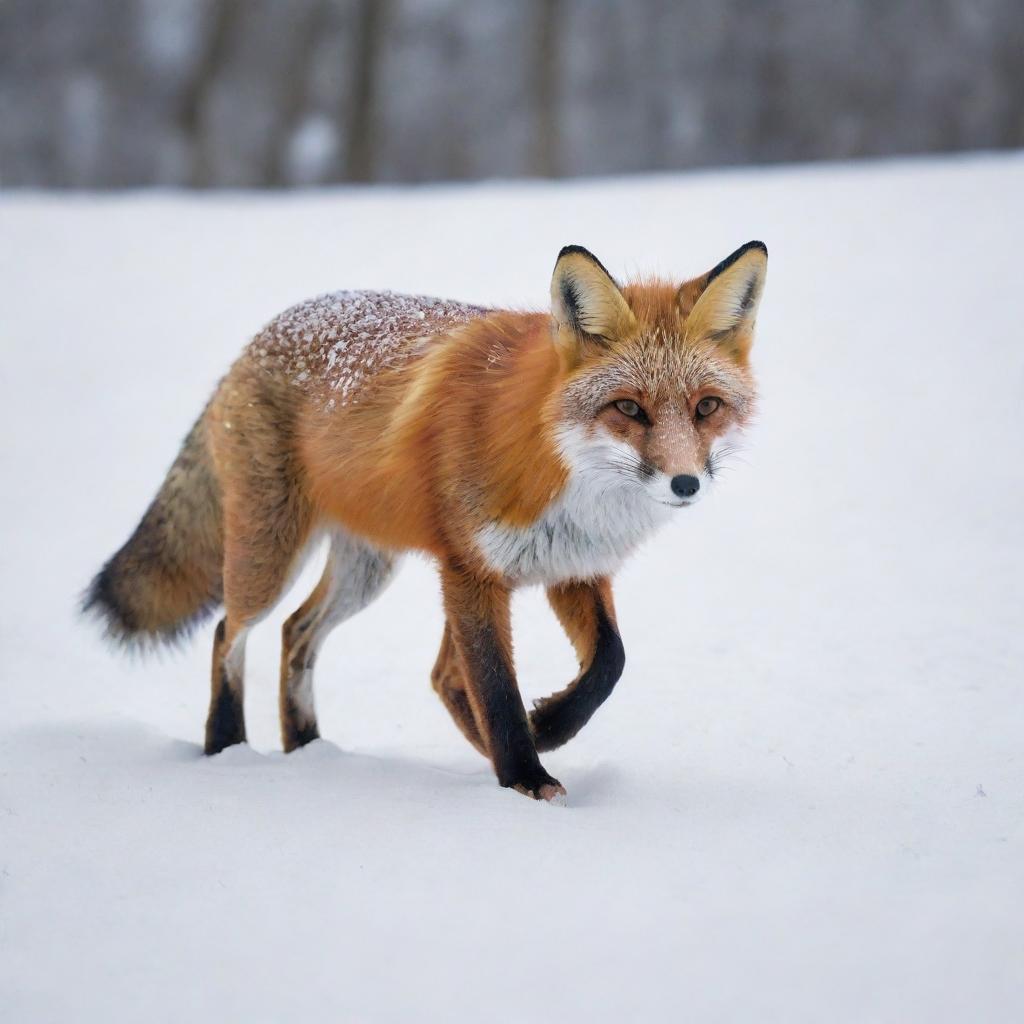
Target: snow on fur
{"x":339,"y":339}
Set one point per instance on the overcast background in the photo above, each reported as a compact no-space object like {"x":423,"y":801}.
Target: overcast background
{"x":267,"y":93}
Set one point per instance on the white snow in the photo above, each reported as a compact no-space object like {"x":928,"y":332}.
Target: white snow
{"x":805,"y":801}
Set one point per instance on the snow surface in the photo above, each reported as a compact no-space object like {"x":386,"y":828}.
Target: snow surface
{"x":805,"y":802}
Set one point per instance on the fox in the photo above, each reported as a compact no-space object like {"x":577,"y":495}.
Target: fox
{"x":511,"y":448}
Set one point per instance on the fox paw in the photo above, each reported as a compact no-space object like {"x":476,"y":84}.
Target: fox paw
{"x":543,"y":787}
{"x":551,"y":792}
{"x":551,"y":726}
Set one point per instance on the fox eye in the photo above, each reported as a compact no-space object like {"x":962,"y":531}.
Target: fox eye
{"x":706,"y":406}
{"x":629,"y":408}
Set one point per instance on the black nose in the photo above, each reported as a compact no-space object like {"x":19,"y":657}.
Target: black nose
{"x":685,"y":486}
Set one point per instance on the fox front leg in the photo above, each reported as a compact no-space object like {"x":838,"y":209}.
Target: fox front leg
{"x":587,"y":615}
{"x":478,"y":616}
{"x":449,"y":681}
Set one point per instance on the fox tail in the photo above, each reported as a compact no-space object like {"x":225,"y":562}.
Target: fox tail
{"x":168,"y":575}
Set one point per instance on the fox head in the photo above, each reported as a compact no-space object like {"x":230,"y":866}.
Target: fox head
{"x":657,"y":376}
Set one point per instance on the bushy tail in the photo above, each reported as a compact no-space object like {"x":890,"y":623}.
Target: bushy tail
{"x":168,"y":576}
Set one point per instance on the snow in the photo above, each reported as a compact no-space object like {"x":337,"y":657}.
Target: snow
{"x":804,"y":802}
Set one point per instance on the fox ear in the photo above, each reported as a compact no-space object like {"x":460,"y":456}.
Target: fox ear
{"x":585,"y":301}
{"x":722,"y":305}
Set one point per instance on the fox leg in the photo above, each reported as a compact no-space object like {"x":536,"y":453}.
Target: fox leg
{"x":587,"y":615}
{"x":299,"y":643}
{"x":449,"y":681}
{"x":478,"y":615}
{"x":254,"y":577}
{"x":225,"y":724}
{"x":355,"y":574}
{"x":267,"y":525}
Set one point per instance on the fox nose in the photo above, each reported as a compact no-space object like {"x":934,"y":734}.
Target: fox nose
{"x":685,"y":486}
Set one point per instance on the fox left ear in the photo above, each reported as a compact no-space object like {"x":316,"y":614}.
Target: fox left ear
{"x":586,"y":302}
{"x":722,"y":305}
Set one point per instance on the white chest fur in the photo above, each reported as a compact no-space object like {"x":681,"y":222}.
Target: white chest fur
{"x":588,"y":531}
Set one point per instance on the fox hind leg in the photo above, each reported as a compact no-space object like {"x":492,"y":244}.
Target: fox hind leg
{"x":254,"y":577}
{"x":354,"y":576}
{"x":267,"y":526}
{"x":225,"y":724}
{"x":298,"y":718}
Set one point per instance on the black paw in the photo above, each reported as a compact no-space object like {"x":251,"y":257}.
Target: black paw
{"x":553,"y":724}
{"x":299,"y":735}
{"x":226,"y":724}
{"x":537,"y":785}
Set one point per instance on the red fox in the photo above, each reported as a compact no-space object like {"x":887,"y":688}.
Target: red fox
{"x":513,"y":448}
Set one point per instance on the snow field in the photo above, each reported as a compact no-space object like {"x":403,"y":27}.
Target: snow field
{"x":803,"y":802}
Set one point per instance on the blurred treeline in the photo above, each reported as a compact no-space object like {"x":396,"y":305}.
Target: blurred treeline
{"x":109,"y":93}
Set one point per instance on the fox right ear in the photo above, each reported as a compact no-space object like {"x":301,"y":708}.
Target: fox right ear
{"x":586,"y":302}
{"x":722,"y":305}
